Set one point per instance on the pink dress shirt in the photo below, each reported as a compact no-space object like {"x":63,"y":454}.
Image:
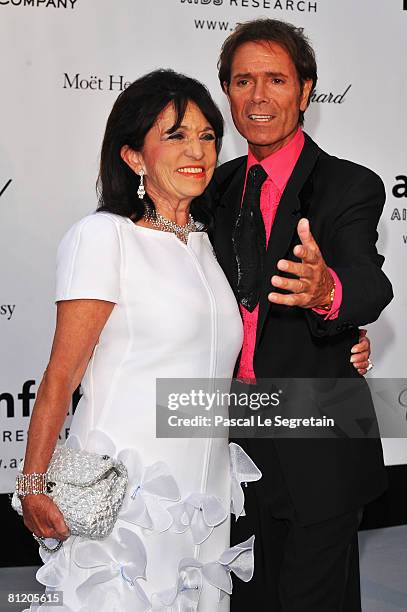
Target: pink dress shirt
{"x":279,"y":167}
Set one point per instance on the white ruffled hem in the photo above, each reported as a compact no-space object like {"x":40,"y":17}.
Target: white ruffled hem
{"x":118,"y":563}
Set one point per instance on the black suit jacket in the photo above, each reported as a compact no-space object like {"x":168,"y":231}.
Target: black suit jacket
{"x":343,"y":202}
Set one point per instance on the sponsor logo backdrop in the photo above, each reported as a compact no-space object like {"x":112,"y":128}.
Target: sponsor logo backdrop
{"x":62,"y":65}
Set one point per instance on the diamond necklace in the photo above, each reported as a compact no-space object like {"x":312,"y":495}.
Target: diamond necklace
{"x":166,"y":225}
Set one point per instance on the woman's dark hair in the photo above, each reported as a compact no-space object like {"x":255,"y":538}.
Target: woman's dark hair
{"x":285,"y":34}
{"x":133,"y":115}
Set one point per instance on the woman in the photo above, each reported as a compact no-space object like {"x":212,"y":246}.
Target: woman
{"x":136,"y":303}
{"x":140,"y":296}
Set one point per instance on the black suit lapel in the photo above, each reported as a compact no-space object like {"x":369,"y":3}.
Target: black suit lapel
{"x":293,"y":205}
{"x":229,"y":195}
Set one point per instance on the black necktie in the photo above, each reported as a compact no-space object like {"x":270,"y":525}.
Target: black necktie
{"x":249,"y":241}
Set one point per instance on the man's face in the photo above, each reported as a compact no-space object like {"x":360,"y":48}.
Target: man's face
{"x":265,"y":96}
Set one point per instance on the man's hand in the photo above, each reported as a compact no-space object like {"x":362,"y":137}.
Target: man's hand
{"x":361,"y":353}
{"x":313,"y":287}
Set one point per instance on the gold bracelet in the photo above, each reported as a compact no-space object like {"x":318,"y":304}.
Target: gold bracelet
{"x":328,"y":307}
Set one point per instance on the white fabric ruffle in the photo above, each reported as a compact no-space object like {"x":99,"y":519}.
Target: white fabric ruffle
{"x":199,"y":512}
{"x":185,"y":594}
{"x":242,"y":470}
{"x":120,"y":557}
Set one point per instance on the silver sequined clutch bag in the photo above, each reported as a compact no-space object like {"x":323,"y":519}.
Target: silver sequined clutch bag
{"x":87,"y":488}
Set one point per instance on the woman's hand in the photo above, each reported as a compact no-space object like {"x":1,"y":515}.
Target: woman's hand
{"x":361,"y":353}
{"x":43,"y":517}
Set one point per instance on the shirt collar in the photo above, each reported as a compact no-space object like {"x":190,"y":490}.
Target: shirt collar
{"x":279,"y":165}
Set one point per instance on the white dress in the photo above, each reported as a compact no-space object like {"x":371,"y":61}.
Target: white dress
{"x":175,"y":316}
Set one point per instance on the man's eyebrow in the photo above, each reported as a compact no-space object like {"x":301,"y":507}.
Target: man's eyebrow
{"x":241,"y":75}
{"x":245,"y":75}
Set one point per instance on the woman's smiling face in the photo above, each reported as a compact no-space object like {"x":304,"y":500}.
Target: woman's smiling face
{"x":179,"y":165}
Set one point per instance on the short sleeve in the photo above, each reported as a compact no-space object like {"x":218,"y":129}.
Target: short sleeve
{"x":88,"y":260}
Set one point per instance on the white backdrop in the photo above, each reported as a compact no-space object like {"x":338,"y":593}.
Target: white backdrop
{"x":63,"y":63}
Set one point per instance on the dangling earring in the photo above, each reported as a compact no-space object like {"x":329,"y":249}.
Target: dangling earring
{"x":141,"y":192}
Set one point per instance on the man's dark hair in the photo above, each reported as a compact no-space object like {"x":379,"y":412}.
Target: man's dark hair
{"x":133,"y":115}
{"x":284,"y":34}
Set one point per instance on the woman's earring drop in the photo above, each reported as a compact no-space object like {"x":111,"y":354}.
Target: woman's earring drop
{"x":141,"y":192}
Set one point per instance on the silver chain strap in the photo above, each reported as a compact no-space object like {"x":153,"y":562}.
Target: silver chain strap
{"x":41,"y":542}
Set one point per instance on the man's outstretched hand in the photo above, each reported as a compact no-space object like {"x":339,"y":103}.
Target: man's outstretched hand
{"x":312,"y":288}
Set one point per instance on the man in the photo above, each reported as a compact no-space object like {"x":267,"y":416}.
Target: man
{"x":291,"y":215}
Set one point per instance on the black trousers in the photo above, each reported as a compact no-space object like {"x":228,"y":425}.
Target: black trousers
{"x":312,"y":568}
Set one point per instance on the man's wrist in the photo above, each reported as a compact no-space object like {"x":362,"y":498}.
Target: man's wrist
{"x":330,"y":299}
